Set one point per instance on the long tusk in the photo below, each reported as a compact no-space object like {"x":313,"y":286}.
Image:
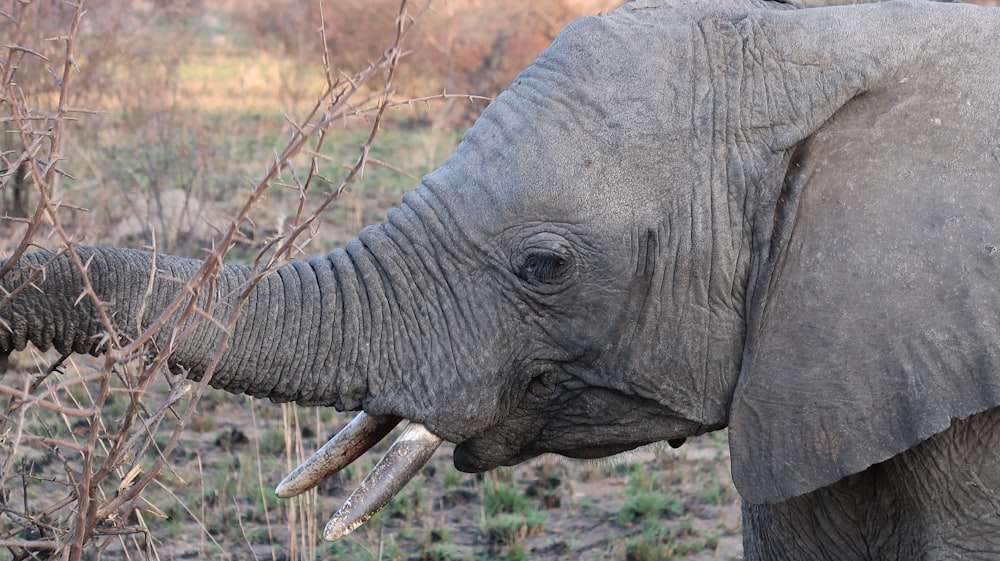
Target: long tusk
{"x":346,"y":446}
{"x":404,"y":459}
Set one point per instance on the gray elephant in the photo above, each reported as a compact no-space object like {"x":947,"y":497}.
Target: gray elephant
{"x":685,"y":215}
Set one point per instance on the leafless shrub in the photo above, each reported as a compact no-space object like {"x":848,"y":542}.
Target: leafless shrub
{"x":82,"y":442}
{"x":114,"y":33}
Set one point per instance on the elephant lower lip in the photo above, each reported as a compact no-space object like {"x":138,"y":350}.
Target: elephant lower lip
{"x":470,"y":463}
{"x":592,"y":452}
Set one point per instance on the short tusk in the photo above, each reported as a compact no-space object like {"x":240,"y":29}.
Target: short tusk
{"x":403,"y":460}
{"x":346,"y":446}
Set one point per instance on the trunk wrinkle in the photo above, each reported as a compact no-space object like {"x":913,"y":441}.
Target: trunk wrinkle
{"x":352,"y":332}
{"x":341,"y":353}
{"x":320,"y":338}
{"x":410,"y":321}
{"x":371,"y":335}
{"x":291,"y":326}
{"x":404,"y":293}
{"x":249,"y":364}
{"x":257,"y":319}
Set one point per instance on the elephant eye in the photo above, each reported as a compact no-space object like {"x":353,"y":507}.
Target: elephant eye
{"x":544,"y":259}
{"x":544,"y":266}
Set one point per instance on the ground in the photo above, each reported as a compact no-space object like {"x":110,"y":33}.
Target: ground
{"x":652,"y":504}
{"x":215,"y":500}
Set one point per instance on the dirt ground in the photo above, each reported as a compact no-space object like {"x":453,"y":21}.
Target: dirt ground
{"x":215,"y":499}
{"x":581,"y":510}
{"x":583,"y":521}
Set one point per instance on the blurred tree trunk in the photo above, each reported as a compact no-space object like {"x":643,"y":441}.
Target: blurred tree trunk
{"x":19,"y":193}
{"x":14,"y":194}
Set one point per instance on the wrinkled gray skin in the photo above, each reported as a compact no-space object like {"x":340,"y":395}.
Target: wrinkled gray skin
{"x":683,"y":216}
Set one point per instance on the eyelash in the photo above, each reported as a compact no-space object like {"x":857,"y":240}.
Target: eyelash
{"x":543,"y":266}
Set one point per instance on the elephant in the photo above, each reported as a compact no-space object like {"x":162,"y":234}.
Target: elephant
{"x":686,"y":215}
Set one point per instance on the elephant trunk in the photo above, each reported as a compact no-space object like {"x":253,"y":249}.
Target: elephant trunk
{"x":296,"y":339}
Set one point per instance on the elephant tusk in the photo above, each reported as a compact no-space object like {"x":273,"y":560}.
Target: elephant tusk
{"x":405,"y":457}
{"x":346,"y":446}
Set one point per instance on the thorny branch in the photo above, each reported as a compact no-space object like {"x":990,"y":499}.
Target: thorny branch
{"x":94,"y":457}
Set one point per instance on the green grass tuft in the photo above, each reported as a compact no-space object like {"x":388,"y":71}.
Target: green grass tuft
{"x":650,"y":504}
{"x":508,"y":529}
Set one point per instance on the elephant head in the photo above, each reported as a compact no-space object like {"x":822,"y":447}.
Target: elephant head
{"x":685,"y":215}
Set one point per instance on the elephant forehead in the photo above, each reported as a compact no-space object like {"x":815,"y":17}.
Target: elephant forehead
{"x":593,"y":128}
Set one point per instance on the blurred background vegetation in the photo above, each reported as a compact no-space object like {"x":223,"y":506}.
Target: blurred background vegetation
{"x":187,"y":102}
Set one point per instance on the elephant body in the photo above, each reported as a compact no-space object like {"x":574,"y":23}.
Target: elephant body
{"x":777,"y":217}
{"x":938,"y":500}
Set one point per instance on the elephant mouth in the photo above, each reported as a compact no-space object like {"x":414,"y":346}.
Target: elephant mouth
{"x":413,"y":448}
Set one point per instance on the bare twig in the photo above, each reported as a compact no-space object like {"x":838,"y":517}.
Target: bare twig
{"x":107,"y":465}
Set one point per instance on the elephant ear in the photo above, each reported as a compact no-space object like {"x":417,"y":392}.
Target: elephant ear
{"x":874,"y":306}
